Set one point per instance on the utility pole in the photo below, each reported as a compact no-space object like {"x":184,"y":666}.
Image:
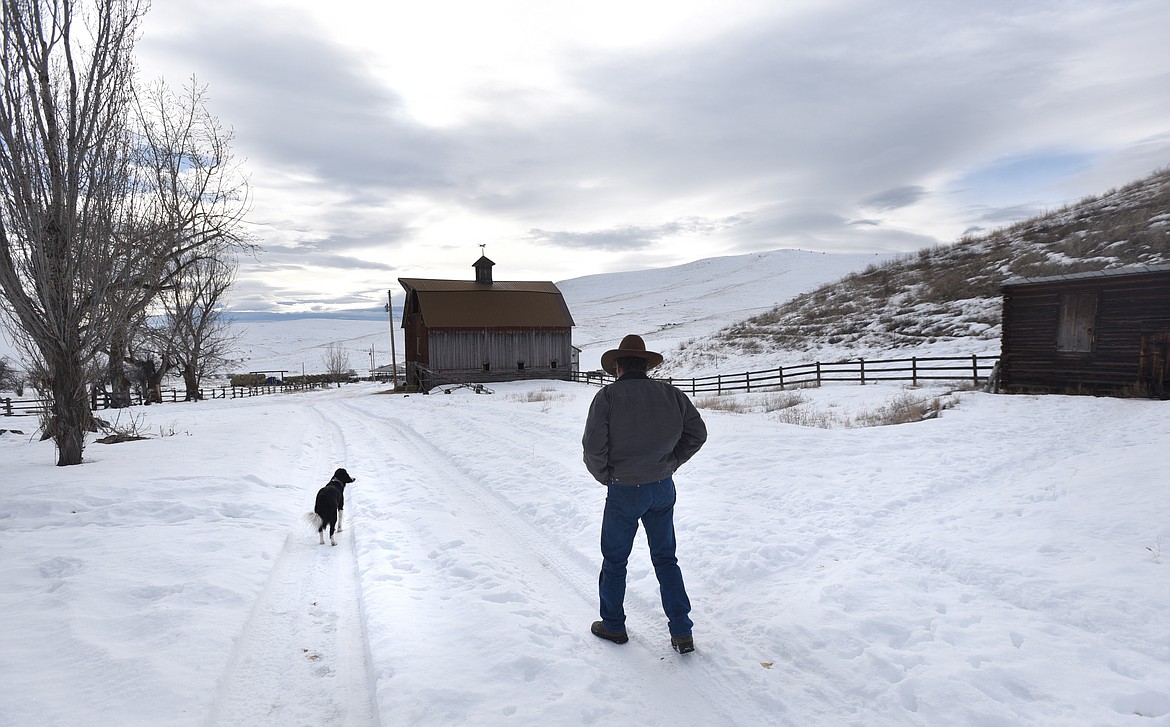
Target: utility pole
{"x":393,"y":358}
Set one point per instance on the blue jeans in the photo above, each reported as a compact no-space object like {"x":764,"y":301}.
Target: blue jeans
{"x":653,"y":504}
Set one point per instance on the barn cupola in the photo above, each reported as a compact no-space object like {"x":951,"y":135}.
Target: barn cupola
{"x":483,"y":270}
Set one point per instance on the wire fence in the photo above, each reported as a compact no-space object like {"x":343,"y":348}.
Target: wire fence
{"x":975,"y":368}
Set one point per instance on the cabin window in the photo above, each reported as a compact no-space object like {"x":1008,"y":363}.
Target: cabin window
{"x":1078,"y":321}
{"x":487,"y":366}
{"x":519,"y":365}
{"x":552,"y":364}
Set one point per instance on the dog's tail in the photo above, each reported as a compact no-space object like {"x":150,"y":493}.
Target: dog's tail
{"x":313,"y":520}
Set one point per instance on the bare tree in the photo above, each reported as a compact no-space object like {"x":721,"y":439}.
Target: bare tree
{"x":65,"y":257}
{"x":148,"y":358}
{"x":102,"y":201}
{"x":196,"y":192}
{"x":336,"y":360}
{"x":201,"y":337}
{"x":201,"y":196}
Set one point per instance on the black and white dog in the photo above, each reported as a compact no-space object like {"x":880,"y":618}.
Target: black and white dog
{"x":330,"y":505}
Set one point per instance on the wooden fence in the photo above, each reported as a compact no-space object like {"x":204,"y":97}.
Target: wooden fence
{"x":976,"y":369}
{"x":103,"y":400}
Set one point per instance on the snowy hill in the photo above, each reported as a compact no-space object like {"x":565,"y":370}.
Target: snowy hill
{"x":947,"y":299}
{"x":668,"y":306}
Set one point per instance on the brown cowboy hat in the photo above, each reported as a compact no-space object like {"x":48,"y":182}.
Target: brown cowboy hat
{"x":631,"y":345}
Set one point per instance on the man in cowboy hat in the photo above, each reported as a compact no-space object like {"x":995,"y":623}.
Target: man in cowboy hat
{"x":639,"y":431}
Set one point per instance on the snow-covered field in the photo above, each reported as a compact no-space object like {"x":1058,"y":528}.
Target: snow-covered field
{"x":1002,"y":564}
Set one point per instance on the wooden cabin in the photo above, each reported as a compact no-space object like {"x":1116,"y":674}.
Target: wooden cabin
{"x":468,"y":332}
{"x":1104,"y":332}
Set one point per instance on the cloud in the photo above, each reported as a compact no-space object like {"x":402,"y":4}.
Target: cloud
{"x":831,"y":125}
{"x":291,"y":259}
{"x":632,"y":237}
{"x":892,"y":199}
{"x":1007,"y":214}
{"x":306,"y":106}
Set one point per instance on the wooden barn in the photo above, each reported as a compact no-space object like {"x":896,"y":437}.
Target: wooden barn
{"x":1104,"y":332}
{"x":467,"y":332}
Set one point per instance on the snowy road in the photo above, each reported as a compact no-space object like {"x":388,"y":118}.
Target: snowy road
{"x":302,"y":657}
{"x":485,"y":613}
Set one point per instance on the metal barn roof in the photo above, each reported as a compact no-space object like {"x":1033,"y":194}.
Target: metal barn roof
{"x":503,"y":304}
{"x":1110,"y":273}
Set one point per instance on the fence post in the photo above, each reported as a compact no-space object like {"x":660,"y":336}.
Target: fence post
{"x":780,"y":373}
{"x":975,"y":367}
{"x":914,"y":371}
{"x":818,"y":373}
{"x":861,"y":369}
{"x":7,"y":406}
{"x":719,"y":385}
{"x":747,"y":380}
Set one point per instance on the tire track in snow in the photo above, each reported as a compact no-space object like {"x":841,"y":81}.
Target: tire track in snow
{"x":709,"y":669}
{"x":552,"y":579}
{"x":302,"y":656}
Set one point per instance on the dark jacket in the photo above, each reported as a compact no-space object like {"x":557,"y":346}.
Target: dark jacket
{"x":640,"y":430}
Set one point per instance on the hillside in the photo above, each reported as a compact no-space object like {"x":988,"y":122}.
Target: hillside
{"x":696,"y":299}
{"x":948,"y":297}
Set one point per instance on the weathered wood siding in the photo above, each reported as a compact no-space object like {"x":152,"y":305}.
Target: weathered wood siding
{"x":486,"y":355}
{"x":500,"y":350}
{"x":415,"y":338}
{"x":1093,"y":333}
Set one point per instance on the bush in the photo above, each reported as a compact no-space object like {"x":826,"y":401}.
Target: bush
{"x":10,"y":379}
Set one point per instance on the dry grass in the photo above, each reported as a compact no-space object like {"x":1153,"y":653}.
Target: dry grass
{"x":799,"y":409}
{"x":809,"y":417}
{"x":903,"y":409}
{"x":729,"y":403}
{"x":546,"y":393}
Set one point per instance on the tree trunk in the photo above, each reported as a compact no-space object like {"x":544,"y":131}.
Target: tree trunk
{"x":116,"y":372}
{"x":152,"y":377}
{"x":71,"y":412}
{"x":191,"y":383}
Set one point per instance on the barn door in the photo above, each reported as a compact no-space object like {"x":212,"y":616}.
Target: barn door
{"x":1078,"y":319}
{"x":1155,"y":372}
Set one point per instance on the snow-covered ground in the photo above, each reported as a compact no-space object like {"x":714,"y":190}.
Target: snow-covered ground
{"x":1002,"y":564}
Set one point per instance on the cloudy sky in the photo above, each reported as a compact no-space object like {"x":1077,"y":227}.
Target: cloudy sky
{"x":388,"y":139}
